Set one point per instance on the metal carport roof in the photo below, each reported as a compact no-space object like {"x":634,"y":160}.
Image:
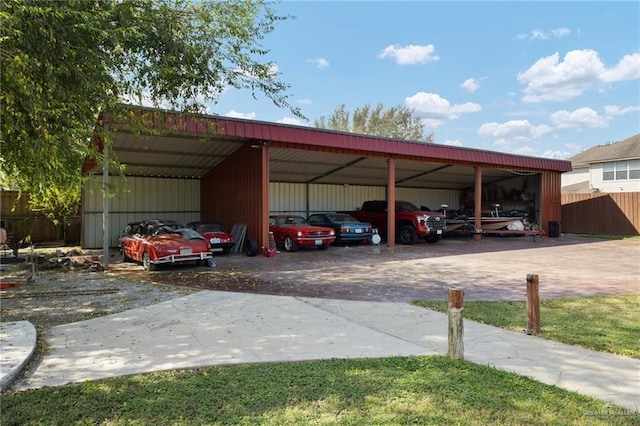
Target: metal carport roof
{"x":193,"y":145}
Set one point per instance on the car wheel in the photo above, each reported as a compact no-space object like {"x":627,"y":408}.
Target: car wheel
{"x":146,"y":262}
{"x":432,"y":238}
{"x":407,"y":235}
{"x":125,"y":258}
{"x":289,"y":245}
{"x":251,"y":247}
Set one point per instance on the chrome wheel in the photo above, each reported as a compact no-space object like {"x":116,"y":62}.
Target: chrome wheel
{"x":146,"y":262}
{"x":289,"y":245}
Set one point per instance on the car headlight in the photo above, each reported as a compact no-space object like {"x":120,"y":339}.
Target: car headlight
{"x":332,"y":232}
{"x":299,"y":233}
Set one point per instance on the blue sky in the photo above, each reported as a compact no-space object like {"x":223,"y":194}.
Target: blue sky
{"x":547,"y":79}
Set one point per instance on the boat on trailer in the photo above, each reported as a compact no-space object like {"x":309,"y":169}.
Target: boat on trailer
{"x":494,"y":222}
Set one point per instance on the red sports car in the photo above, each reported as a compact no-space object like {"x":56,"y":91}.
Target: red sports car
{"x":291,"y":231}
{"x":215,"y":234}
{"x":159,"y":242}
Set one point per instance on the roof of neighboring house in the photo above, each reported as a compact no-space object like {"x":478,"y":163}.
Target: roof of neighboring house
{"x":624,"y":150}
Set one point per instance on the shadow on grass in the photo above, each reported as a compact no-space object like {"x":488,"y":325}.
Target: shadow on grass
{"x":396,"y":390}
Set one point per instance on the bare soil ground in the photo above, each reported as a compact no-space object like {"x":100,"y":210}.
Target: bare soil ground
{"x":64,"y":295}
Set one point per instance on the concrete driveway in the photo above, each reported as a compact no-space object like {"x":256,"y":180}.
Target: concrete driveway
{"x":494,"y":268}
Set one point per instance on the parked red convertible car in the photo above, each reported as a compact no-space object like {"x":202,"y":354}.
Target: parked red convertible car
{"x":158,"y":242}
{"x":292,"y":231}
{"x":215,"y":234}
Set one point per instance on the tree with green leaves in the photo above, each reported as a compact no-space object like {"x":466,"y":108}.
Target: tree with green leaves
{"x":396,"y":122}
{"x":63,"y":62}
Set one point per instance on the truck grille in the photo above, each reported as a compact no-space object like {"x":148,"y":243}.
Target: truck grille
{"x":436,"y":222}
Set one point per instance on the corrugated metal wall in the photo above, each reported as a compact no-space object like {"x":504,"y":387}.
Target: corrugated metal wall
{"x":232,"y":192}
{"x":604,"y":214}
{"x":550,"y":202}
{"x":147,"y":198}
{"x":293,"y":197}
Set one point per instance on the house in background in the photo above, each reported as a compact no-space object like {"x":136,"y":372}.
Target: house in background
{"x":613,"y":167}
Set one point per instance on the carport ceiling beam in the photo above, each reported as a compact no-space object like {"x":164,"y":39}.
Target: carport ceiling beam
{"x":165,"y":166}
{"x":172,"y":153}
{"x":337,"y":169}
{"x":437,"y":169}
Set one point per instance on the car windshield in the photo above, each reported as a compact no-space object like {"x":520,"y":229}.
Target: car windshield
{"x":292,"y":220}
{"x":404,"y":206}
{"x":166,"y":229}
{"x":190,"y":234}
{"x":341,"y":218}
{"x":208,"y":227}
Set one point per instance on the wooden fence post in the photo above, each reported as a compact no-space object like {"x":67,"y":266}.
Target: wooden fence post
{"x":533,"y":305}
{"x":456,"y":328}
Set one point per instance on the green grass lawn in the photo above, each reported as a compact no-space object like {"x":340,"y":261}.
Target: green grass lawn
{"x":604,"y":323}
{"x":433,"y":390}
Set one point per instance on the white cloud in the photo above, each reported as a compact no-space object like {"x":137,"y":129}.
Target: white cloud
{"x":582,"y":118}
{"x":409,"y":55}
{"x":627,"y":69}
{"x":539,"y":34}
{"x":524,"y":150}
{"x":452,"y":143}
{"x":319,"y":62}
{"x":556,"y":154}
{"x":471,"y":84}
{"x":291,"y":120}
{"x":432,"y":108}
{"x":518,"y":130}
{"x":613,"y":110}
{"x":236,"y":114}
{"x":551,"y":80}
{"x":431,"y":123}
{"x":561,"y":32}
{"x":304,"y":101}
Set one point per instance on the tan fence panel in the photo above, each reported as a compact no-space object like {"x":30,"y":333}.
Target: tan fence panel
{"x":605,"y":214}
{"x":21,"y":222}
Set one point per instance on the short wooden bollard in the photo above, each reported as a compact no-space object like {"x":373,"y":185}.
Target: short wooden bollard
{"x":456,"y":328}
{"x":533,"y":305}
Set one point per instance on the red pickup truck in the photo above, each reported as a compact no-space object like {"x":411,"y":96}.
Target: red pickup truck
{"x":411,"y":222}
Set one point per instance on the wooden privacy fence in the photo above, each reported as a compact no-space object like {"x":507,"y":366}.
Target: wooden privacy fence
{"x":599,"y":213}
{"x":20,"y":221}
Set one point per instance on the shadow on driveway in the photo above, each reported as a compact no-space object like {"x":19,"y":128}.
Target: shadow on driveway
{"x":494,"y":268}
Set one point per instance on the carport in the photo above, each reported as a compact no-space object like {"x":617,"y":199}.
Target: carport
{"x":234,"y":161}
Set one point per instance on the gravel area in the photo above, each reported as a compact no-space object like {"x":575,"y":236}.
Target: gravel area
{"x":60,"y":294}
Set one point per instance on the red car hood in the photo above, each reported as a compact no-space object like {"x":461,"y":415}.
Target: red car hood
{"x":173,"y":242}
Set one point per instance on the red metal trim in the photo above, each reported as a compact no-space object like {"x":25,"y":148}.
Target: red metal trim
{"x":391,"y":202}
{"x":321,"y":139}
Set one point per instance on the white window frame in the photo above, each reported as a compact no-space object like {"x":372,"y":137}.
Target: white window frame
{"x":621,"y":170}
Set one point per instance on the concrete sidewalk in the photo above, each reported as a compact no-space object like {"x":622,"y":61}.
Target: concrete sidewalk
{"x":222,"y":328}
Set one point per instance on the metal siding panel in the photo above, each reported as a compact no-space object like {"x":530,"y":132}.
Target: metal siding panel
{"x":148,"y":198}
{"x":431,"y":198}
{"x":324,"y":198}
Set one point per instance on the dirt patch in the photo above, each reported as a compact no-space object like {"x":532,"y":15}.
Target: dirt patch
{"x":65,"y":295}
